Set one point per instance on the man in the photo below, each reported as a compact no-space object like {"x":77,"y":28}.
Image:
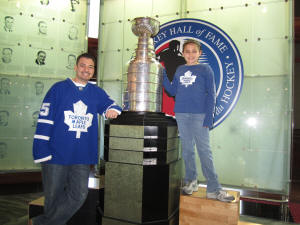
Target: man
{"x":4,"y":115}
{"x":66,"y":140}
{"x":4,"y":88}
{"x":8,"y":24}
{"x":73,"y":33}
{"x":42,"y":25}
{"x":71,"y":62}
{"x":39,"y":88}
{"x":6,"y":55}
{"x":41,"y":57}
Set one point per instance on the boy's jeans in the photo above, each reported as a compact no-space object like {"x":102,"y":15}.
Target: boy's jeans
{"x":192,"y":132}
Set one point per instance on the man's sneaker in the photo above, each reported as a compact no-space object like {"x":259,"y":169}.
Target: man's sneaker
{"x":190,"y":187}
{"x":221,"y":195}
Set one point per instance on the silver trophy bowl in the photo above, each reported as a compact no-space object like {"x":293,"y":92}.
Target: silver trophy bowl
{"x":142,"y":83}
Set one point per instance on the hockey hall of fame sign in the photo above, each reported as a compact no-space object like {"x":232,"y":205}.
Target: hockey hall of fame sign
{"x":218,"y":50}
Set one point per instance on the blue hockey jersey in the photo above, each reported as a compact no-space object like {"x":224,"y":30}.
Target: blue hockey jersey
{"x":194,"y":89}
{"x":67,"y":128}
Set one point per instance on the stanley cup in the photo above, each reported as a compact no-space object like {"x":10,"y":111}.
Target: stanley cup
{"x":142,"y":82}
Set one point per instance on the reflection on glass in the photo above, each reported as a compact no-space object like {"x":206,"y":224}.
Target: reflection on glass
{"x":44,"y":2}
{"x":6,"y":55}
{"x":42,"y":28}
{"x":41,"y":57}
{"x":39,"y":88}
{"x":8,"y":23}
{"x":73,"y":33}
{"x":4,"y":115}
{"x":252,"y":122}
{"x":5,"y":86}
{"x":35,"y":116}
{"x":73,"y":3}
{"x":71,"y":61}
{"x":3,"y":150}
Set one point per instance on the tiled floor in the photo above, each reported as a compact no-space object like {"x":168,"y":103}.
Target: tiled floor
{"x":14,"y":210}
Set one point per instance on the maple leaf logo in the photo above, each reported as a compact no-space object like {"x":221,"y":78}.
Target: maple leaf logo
{"x":78,"y":121}
{"x":187,"y":79}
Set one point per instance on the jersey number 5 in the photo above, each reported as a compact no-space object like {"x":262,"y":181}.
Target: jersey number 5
{"x":44,"y":111}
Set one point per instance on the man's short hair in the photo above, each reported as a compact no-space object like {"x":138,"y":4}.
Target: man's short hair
{"x":4,"y":111}
{"x":39,"y":52}
{"x":8,"y":17}
{"x":71,"y":55}
{"x":11,"y":51}
{"x":39,"y":23}
{"x":3,"y":144}
{"x":86,"y":55}
{"x":39,"y":82}
{"x":4,"y":78}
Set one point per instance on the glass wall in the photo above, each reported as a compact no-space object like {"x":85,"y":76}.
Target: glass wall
{"x":40,"y":40}
{"x":251,"y":147}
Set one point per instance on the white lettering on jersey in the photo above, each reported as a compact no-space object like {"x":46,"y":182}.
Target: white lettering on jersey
{"x":44,"y":111}
{"x":187,"y":79}
{"x":78,"y":121}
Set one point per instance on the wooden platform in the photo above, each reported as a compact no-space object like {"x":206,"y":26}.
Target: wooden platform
{"x":196,"y":209}
{"x":35,"y":207}
{"x":38,"y":202}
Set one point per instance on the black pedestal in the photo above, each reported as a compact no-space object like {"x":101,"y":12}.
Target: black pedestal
{"x":142,"y":175}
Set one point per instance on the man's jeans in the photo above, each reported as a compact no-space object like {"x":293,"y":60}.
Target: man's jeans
{"x":65,"y":189}
{"x":192,"y":132}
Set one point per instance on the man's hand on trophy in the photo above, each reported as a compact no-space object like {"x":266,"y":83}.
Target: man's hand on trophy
{"x":111,"y":114}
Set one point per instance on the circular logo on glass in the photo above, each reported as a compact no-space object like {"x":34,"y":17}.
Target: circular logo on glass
{"x":218,"y":50}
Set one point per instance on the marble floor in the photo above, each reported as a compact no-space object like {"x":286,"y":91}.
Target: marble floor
{"x":14,"y":211}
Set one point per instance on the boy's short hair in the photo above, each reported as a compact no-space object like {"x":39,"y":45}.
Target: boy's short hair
{"x":192,"y":41}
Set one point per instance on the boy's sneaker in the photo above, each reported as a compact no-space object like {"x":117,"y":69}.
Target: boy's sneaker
{"x":221,"y":195}
{"x":190,"y":187}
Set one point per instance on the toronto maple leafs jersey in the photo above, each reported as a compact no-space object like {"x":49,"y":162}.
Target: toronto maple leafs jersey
{"x":194,"y":89}
{"x":67,"y":128}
